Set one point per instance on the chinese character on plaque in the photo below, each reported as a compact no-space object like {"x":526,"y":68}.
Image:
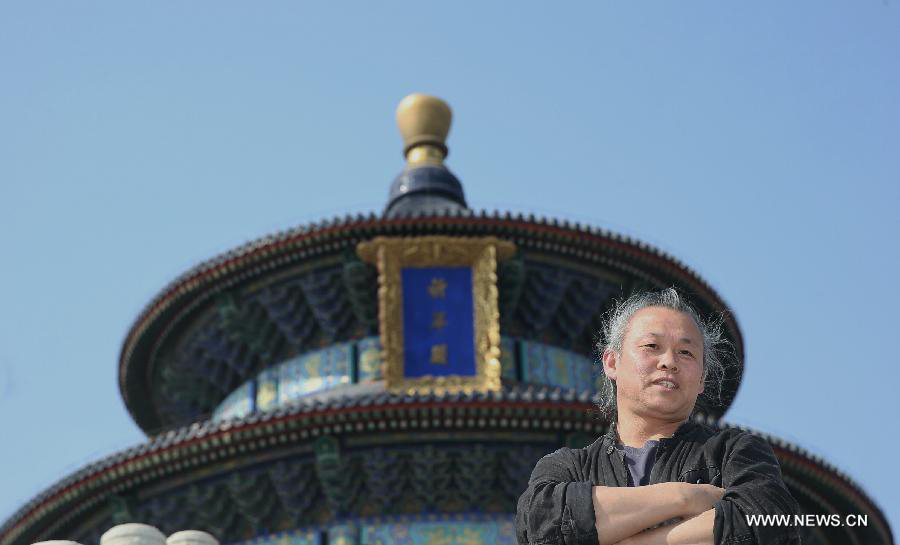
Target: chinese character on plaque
{"x":439,"y":321}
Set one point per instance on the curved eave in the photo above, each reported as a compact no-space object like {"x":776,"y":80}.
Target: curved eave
{"x":208,"y":443}
{"x":252,"y":260}
{"x":792,"y":457}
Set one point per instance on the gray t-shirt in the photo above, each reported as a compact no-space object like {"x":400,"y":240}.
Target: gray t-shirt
{"x":639,"y":461}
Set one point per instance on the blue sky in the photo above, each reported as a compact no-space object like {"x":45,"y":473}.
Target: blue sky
{"x":755,"y":141}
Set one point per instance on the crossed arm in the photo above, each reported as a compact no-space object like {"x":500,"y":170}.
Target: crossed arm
{"x":562,"y":507}
{"x":695,"y":530}
{"x":622,"y":515}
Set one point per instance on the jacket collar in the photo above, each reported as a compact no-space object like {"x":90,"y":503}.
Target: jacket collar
{"x":687,"y":427}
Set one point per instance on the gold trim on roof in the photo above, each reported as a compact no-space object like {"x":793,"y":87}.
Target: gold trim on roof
{"x":390,"y":255}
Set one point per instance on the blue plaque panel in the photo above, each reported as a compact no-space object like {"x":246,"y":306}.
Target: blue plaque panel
{"x":369,"y":360}
{"x":298,"y":377}
{"x":291,"y":537}
{"x":543,"y":364}
{"x":238,"y":403}
{"x":267,"y":390}
{"x":438,"y":322}
{"x":314,"y":371}
{"x":450,"y":531}
{"x":508,"y":359}
{"x":343,"y":534}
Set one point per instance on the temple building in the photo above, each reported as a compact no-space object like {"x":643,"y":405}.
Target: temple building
{"x":387,"y":379}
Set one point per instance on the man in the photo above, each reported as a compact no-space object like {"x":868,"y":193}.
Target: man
{"x":657,"y":477}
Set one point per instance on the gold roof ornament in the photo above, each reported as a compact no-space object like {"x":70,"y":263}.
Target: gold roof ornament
{"x":424,"y":122}
{"x":425,"y":185}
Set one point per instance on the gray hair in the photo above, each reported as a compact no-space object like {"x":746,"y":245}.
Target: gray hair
{"x":716,"y":348}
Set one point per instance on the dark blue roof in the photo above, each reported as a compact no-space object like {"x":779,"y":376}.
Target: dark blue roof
{"x":425,"y":189}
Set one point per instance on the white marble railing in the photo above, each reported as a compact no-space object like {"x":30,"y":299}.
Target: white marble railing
{"x":144,"y":534}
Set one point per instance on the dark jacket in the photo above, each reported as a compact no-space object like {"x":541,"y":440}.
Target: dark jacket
{"x":556,"y":508}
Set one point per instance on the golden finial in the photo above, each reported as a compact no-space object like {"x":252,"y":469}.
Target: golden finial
{"x":424,"y":122}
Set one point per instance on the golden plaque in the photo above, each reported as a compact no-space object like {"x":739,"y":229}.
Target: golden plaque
{"x":437,"y":309}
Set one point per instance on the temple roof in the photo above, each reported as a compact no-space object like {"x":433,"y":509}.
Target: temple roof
{"x":172,"y":461}
{"x":229,"y":318}
{"x":226,"y":319}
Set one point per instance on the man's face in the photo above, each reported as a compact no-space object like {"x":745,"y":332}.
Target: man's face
{"x":659,"y":371}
